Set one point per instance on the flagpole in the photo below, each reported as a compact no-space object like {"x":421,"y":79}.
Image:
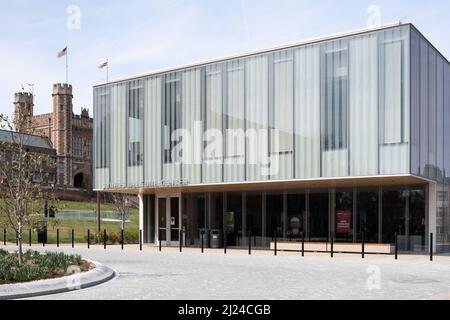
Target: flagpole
{"x":67,"y":66}
{"x":107,"y":70}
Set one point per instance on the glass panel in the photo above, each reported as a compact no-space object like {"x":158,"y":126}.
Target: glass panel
{"x":307,"y":113}
{"x":344,"y":216}
{"x":367,"y":216}
{"x":296,"y":211}
{"x":216,"y":210}
{"x":195,"y":210}
{"x":172,"y":114}
{"x":274,"y":215}
{"x":174,"y":219}
{"x":318,"y":208}
{"x":254,"y":217}
{"x":235,"y":123}
{"x":102,"y":136}
{"x":135,"y":104}
{"x":283,"y":106}
{"x":149,"y":219}
{"x":417,"y":220}
{"x":392,"y":102}
{"x":162,"y":216}
{"x":335,"y":96}
{"x":394,"y":216}
{"x":233,"y":219}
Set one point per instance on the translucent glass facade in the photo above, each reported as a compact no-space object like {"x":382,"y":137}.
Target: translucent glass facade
{"x":371,"y":104}
{"x":430,"y":135}
{"x":331,"y":109}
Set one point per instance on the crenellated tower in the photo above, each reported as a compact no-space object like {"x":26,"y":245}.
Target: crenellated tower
{"x":23,"y":112}
{"x":62,"y":131}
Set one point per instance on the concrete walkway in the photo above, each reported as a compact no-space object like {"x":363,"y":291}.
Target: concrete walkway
{"x":237,"y":276}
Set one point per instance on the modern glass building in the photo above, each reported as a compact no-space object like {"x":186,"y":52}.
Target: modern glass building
{"x":346,"y":136}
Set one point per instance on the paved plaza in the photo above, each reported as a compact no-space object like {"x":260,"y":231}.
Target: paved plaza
{"x":236,"y":276}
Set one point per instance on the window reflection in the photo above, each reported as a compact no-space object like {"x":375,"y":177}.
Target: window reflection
{"x":367,"y":216}
{"x":135,"y":104}
{"x":318,"y":216}
{"x":344,"y":216}
{"x":296,"y":212}
{"x":172,"y":114}
{"x":335,"y":96}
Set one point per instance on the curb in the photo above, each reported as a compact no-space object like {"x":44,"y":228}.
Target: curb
{"x":99,"y":275}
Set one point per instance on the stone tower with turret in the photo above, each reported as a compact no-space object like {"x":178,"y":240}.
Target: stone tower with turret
{"x":62,"y":131}
{"x":23,"y":109}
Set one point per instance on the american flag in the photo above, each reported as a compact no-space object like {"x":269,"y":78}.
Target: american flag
{"x":103,"y":65}
{"x":62,"y":53}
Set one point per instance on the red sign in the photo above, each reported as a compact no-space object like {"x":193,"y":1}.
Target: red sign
{"x":343,"y":222}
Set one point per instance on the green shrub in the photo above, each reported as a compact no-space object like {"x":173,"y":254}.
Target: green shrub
{"x":131,"y":237}
{"x":36,"y":266}
{"x":113,"y":238}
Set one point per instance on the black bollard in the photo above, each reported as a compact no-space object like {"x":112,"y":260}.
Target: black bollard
{"x":73,"y":238}
{"x":276,"y":238}
{"x":160,"y":242}
{"x":431,"y":246}
{"x":104,"y":239}
{"x":89,"y":239}
{"x":121,"y":239}
{"x":250,"y":243}
{"x":29,"y":237}
{"x":363,"y":248}
{"x":181,"y":241}
{"x":17,"y":239}
{"x":141,"y":240}
{"x":396,"y":246}
{"x":303,"y":244}
{"x":203,"y":244}
{"x":225,"y":240}
{"x":57,"y":238}
{"x":4,"y":237}
{"x":332,"y":245}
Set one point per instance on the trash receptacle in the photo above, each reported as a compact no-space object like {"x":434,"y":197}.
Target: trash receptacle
{"x":205,"y":233}
{"x":42,"y":231}
{"x":216,"y":239}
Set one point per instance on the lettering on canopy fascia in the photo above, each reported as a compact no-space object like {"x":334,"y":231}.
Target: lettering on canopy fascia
{"x":149,"y":185}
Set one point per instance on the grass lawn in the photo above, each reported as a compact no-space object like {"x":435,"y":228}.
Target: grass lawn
{"x":80,"y":227}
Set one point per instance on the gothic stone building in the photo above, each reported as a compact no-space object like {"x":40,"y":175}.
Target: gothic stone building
{"x":71,"y":136}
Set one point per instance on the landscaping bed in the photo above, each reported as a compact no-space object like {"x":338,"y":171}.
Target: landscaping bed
{"x":38,"y":266}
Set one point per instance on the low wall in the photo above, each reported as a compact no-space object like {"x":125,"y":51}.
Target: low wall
{"x":75,"y":195}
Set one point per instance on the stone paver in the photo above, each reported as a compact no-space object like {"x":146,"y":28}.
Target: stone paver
{"x":236,"y":276}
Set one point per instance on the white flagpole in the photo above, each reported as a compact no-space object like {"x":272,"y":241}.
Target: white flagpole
{"x":67,"y":65}
{"x":107,"y":70}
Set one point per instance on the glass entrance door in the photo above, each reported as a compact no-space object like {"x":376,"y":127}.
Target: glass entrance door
{"x":169,"y":220}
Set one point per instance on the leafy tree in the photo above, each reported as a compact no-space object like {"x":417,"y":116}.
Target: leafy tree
{"x":24,"y":179}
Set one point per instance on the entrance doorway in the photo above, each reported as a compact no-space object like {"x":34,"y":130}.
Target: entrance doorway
{"x":169,"y":226}
{"x":78,"y":181}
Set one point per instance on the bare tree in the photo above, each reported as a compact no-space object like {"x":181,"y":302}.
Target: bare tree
{"x":24,"y":176}
{"x":122,"y":203}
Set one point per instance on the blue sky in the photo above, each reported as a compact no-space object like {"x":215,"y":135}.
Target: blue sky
{"x":139,"y":36}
